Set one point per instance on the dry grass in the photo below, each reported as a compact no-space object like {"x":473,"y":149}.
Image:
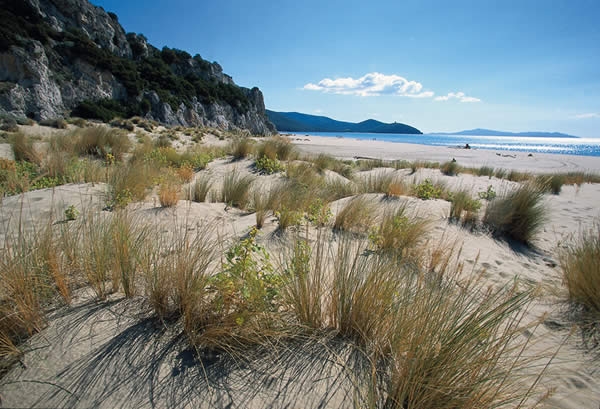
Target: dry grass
{"x":276,"y":147}
{"x":24,"y":150}
{"x":464,"y":208}
{"x":241,"y":148}
{"x":168,"y":193}
{"x":198,"y":191}
{"x":236,"y":189}
{"x":100,"y":141}
{"x":356,"y":216}
{"x":398,"y":233}
{"x":450,"y":168}
{"x":376,"y":182}
{"x":520,"y":214}
{"x":580,"y":262}
{"x":260,"y":204}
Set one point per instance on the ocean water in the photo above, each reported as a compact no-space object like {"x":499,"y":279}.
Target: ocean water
{"x":570,"y":146}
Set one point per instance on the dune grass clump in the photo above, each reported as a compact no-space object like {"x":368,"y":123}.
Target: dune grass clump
{"x":377,"y":182}
{"x":236,"y":189}
{"x":463,"y":208}
{"x":356,"y":216}
{"x":24,"y":150}
{"x":260,"y":205}
{"x":276,"y":147}
{"x":100,"y":141}
{"x":324,"y":162}
{"x":168,"y":193}
{"x":580,"y":262}
{"x":129,"y":183}
{"x":241,"y":148}
{"x":198,"y":191}
{"x":519,"y":215}
{"x":450,"y":168}
{"x":398,"y":233}
{"x":485,"y":171}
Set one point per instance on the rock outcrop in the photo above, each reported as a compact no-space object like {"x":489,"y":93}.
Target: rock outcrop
{"x":58,"y":56}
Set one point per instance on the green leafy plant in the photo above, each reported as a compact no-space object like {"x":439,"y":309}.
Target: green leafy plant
{"x":426,"y":190}
{"x":71,"y":213}
{"x":488,"y":194}
{"x":266,"y":165}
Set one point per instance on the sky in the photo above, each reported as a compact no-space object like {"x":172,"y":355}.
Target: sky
{"x":445,"y":65}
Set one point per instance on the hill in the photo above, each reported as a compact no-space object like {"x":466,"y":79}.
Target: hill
{"x":298,"y":122}
{"x":491,"y":132}
{"x":66,"y":57}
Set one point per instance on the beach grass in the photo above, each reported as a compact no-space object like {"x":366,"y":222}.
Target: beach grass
{"x":357,"y":215}
{"x":580,"y":263}
{"x":519,"y":214}
{"x":236,"y":189}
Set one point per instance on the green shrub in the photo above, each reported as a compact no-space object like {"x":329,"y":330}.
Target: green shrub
{"x":268,"y":166}
{"x":489,"y":194}
{"x":71,"y":213}
{"x":426,"y":190}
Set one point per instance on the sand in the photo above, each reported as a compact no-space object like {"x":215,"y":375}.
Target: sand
{"x":114,"y":354}
{"x":348,"y":148}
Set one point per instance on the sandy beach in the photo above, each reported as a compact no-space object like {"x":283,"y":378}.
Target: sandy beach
{"x":348,"y":148}
{"x":114,"y":354}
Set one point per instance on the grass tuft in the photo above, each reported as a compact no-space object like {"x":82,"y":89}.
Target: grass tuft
{"x":356,"y":216}
{"x":236,"y":189}
{"x":580,"y":262}
{"x":519,"y":215}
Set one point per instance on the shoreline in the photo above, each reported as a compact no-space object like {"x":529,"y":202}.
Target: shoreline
{"x":345,"y":148}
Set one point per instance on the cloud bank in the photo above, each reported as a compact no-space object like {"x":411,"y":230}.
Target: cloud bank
{"x":376,"y":84}
{"x":458,"y":96}
{"x":588,"y":115}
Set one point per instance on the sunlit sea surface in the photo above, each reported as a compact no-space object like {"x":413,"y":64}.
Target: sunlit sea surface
{"x":570,"y":146}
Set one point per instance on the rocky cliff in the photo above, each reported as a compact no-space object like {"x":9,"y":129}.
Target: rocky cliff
{"x":62,"y":57}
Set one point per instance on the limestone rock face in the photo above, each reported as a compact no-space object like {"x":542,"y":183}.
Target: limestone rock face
{"x":65,"y":52}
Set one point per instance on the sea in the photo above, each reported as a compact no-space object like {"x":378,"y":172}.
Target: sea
{"x":565,"y":145}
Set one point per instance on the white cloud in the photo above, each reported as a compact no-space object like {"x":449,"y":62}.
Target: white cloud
{"x":457,"y":95}
{"x":588,"y":115}
{"x":371,"y":84}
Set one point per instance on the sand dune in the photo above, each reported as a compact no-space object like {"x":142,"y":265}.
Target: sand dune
{"x":113,"y":354}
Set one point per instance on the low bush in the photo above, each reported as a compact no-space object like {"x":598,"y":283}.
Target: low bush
{"x":427,"y":190}
{"x":268,"y":166}
{"x":276,"y":147}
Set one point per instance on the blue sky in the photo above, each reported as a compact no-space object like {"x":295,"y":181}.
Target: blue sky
{"x":436,"y":65}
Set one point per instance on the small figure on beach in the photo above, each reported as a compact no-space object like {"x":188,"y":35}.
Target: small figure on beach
{"x":467,"y":146}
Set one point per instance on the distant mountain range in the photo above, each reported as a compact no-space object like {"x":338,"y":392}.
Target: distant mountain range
{"x":491,"y":132}
{"x":297,"y":122}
